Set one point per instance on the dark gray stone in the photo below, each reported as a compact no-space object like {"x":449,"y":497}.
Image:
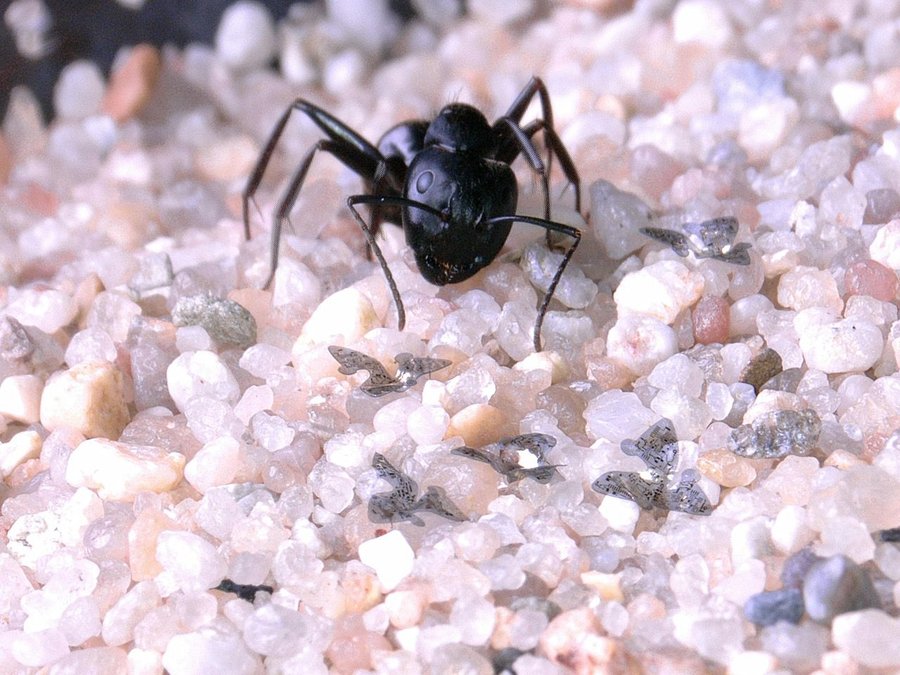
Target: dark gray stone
{"x":770,"y":607}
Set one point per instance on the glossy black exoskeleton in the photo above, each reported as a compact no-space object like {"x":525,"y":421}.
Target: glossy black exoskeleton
{"x":447,"y":182}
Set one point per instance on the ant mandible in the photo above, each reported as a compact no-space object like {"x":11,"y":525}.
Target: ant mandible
{"x":447,"y":182}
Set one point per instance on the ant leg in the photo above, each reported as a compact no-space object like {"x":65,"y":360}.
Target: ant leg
{"x":550,"y":226}
{"x":344,"y":143}
{"x":526,"y":148}
{"x":346,"y":154}
{"x":334,"y":128}
{"x":385,"y":200}
{"x":556,"y":145}
{"x":535,"y":87}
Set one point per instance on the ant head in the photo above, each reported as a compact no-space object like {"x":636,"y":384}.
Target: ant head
{"x":461,"y":128}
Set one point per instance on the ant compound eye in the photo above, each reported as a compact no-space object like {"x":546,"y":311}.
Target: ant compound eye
{"x":424,"y":181}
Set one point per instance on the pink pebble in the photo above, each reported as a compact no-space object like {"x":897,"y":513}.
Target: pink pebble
{"x":869,"y":277}
{"x":711,"y":320}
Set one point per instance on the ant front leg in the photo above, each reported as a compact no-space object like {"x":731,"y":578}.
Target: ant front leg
{"x":376,"y":201}
{"x":349,"y":147}
{"x":550,"y":226}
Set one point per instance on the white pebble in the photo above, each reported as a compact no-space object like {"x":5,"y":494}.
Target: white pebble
{"x":843,"y":346}
{"x":39,"y":648}
{"x":805,"y":287}
{"x":540,"y":264}
{"x":255,"y":399}
{"x":390,"y":556}
{"x":48,"y":310}
{"x":271,"y":431}
{"x":20,"y":448}
{"x":208,"y":651}
{"x":427,"y":424}
{"x":885,"y":248}
{"x":245,"y":38}
{"x":20,"y":398}
{"x":216,"y":463}
{"x":621,"y":514}
{"x":79,"y":90}
{"x":119,"y":471}
{"x":677,"y":373}
{"x":640,"y":342}
{"x":790,"y":532}
{"x":193,"y":563}
{"x":91,"y":344}
{"x":869,"y":637}
{"x":200,"y":374}
{"x":295,"y":283}
{"x":703,"y":21}
{"x":616,"y":415}
{"x":661,"y":290}
{"x":341,"y":318}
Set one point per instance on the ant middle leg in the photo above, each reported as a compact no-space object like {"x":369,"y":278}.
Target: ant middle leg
{"x":549,"y":226}
{"x":348,"y":146}
{"x":386,"y":201}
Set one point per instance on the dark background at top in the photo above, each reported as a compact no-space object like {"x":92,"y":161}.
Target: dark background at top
{"x":96,"y":29}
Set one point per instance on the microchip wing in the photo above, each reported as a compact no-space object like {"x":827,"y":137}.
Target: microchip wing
{"x":628,"y":485}
{"x":436,"y":501}
{"x":677,"y":241}
{"x":657,"y":447}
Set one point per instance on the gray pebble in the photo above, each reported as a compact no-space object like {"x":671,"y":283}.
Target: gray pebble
{"x":226,"y":321}
{"x":770,"y":607}
{"x":837,"y":585}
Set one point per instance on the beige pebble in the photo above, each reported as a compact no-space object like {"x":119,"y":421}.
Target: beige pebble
{"x":550,"y":362}
{"x":607,"y":585}
{"x":20,"y":398}
{"x":573,"y":639}
{"x":405,"y":608}
{"x":89,"y":397}
{"x":226,"y":159}
{"x":120,"y":471}
{"x":341,"y":318}
{"x":132,"y":84}
{"x":6,"y":160}
{"x":142,"y":543}
{"x":725,"y":468}
{"x":20,"y":448}
{"x":478,"y":424}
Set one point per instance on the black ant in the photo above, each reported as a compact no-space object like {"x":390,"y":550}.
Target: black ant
{"x":446,"y":181}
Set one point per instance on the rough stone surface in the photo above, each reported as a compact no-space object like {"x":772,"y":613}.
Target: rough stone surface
{"x":120,"y":471}
{"x":89,"y":397}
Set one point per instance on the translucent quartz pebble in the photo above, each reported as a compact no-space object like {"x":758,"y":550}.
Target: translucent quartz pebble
{"x":225,"y":320}
{"x":193,"y":563}
{"x":769,"y":607}
{"x":837,"y":585}
{"x":208,"y":650}
{"x":540,"y":265}
{"x":200,"y":374}
{"x":616,"y":217}
{"x":870,"y":637}
{"x":777,"y":434}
